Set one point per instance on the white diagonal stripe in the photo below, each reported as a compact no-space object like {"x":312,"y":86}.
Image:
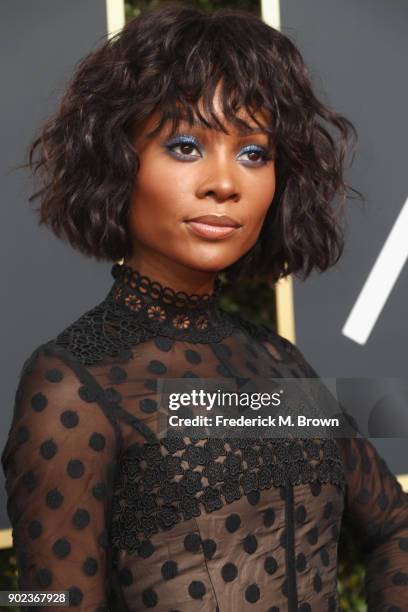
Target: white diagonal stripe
{"x":380,"y":281}
{"x":270,"y":10}
{"x":115,"y":16}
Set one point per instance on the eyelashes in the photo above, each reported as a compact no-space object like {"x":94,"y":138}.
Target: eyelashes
{"x":180,"y":141}
{"x":264,"y":153}
{"x":190,"y":142}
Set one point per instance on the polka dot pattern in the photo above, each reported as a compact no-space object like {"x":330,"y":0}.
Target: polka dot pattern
{"x":317,"y":583}
{"x":48,"y":449}
{"x":69,"y":419}
{"x":30,"y":481}
{"x":157,"y":367}
{"x":232,"y":522}
{"x":191,"y":523}
{"x":97,"y":442}
{"x":163,"y":344}
{"x":39,"y":402}
{"x":312,"y":535}
{"x":250,"y":544}
{"x":23,"y":435}
{"x":54,"y":375}
{"x":192,"y":542}
{"x":75,"y":595}
{"x":54,"y":498}
{"x":146,"y":549}
{"x":301,"y":562}
{"x":81,"y":518}
{"x":324,"y":556}
{"x":196,"y":589}
{"x":269,"y":517}
{"x":169,"y":570}
{"x":229,"y":572}
{"x":149,"y":598}
{"x":90,"y":566}
{"x":253,"y":497}
{"x":148,"y":405}
{"x":209,"y":548}
{"x":61,"y":548}
{"x":44,"y":577}
{"x":75,"y":468}
{"x":87,"y":394}
{"x":112,"y":395}
{"x":117,"y":375}
{"x":252,"y":593}
{"x":270,"y":565}
{"x":193,"y":357}
{"x":300,"y":514}
{"x":99,"y":491}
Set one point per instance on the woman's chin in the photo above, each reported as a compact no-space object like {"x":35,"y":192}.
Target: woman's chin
{"x":212,"y":264}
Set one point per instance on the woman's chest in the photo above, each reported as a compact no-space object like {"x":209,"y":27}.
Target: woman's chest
{"x":160,"y":485}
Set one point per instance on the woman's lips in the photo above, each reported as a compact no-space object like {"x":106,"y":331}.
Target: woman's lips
{"x":213,"y":227}
{"x":211,"y":231}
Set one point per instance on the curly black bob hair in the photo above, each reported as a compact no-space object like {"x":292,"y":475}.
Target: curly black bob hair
{"x":171,"y":59}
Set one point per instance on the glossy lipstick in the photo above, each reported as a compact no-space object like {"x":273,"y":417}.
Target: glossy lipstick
{"x":213,"y":227}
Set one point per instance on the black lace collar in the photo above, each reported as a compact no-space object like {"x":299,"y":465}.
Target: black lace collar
{"x":171,"y":313}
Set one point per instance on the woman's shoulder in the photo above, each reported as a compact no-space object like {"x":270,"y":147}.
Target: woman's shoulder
{"x":100,"y":332}
{"x":263,"y":332}
{"x":259,"y":331}
{"x":279,"y":346}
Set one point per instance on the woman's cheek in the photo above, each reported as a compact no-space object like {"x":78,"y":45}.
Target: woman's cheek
{"x":255,"y":226}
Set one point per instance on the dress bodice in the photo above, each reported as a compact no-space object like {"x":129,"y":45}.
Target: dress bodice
{"x":125,"y":519}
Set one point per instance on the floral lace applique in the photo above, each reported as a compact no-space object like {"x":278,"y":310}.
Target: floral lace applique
{"x":161,"y":484}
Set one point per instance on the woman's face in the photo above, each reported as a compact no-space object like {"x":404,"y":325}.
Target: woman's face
{"x":200,"y":197}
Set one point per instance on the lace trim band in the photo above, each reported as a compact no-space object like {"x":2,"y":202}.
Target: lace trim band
{"x":164,"y":483}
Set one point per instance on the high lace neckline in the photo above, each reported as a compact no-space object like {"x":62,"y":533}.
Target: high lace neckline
{"x":164,"y":310}
{"x":145,"y":286}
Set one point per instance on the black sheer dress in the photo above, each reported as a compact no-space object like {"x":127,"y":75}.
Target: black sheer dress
{"x":126,"y":521}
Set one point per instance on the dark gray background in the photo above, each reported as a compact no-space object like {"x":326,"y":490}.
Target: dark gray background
{"x":356,"y":53}
{"x":40,"y":43}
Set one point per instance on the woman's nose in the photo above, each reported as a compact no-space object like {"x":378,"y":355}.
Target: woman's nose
{"x":220,"y":180}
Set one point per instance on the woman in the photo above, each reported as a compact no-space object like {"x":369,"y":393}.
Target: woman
{"x":188,"y":145}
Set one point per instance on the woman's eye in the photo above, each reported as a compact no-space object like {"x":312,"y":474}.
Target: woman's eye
{"x":256,"y":155}
{"x":183,"y":147}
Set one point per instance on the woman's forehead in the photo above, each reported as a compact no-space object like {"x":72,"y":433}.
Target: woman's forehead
{"x":258,"y":123}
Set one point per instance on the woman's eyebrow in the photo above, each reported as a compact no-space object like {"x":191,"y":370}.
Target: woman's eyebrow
{"x":251,"y":131}
{"x":242,"y":130}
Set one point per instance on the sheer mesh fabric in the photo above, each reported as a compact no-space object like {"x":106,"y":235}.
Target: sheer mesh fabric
{"x":124,"y":520}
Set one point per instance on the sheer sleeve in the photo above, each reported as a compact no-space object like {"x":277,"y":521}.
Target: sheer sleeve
{"x":375,"y":512}
{"x":58,"y":461}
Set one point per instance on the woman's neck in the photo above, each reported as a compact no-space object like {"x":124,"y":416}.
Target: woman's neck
{"x":173,"y":274}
